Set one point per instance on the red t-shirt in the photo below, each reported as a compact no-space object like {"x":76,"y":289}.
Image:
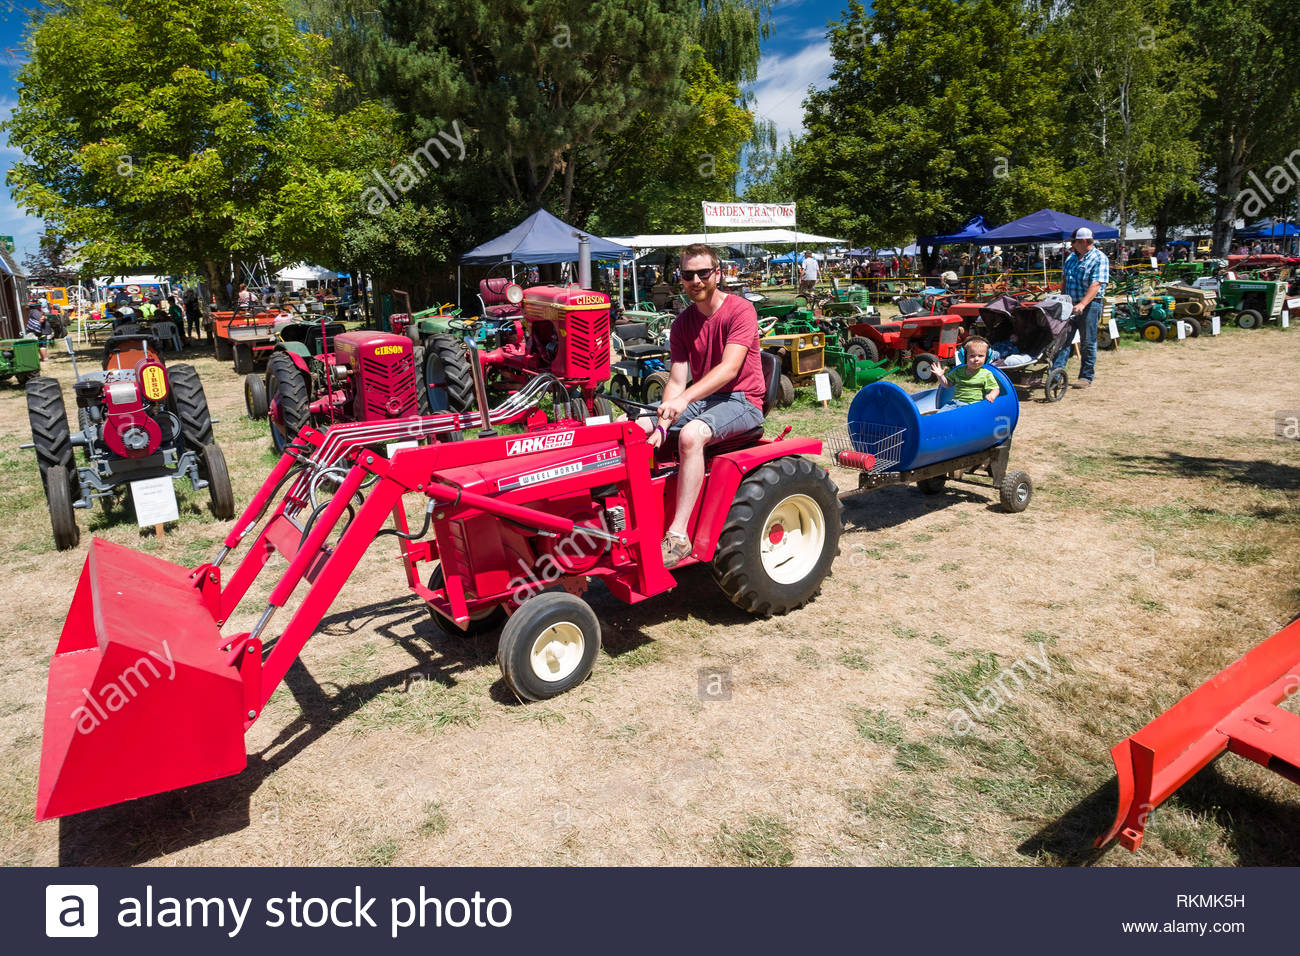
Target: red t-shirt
{"x":701,"y":341}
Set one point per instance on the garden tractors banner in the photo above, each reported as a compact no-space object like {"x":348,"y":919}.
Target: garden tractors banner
{"x":735,"y":214}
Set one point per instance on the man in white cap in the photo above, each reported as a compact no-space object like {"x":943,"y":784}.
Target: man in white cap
{"x":1084,"y":279}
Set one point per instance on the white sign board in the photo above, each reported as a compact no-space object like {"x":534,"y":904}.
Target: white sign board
{"x":1286,"y":318}
{"x":155,"y":501}
{"x":1215,"y":325}
{"x":1155,"y":263}
{"x":822,"y":381}
{"x":748,"y":214}
{"x":1076,"y":339}
{"x":1182,"y":329}
{"x":1114,"y":329}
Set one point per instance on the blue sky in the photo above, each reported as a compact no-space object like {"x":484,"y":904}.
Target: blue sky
{"x":795,"y":57}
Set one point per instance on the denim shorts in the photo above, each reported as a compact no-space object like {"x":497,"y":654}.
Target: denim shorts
{"x":726,"y":415}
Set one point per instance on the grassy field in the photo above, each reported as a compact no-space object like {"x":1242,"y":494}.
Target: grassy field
{"x":1160,"y":545}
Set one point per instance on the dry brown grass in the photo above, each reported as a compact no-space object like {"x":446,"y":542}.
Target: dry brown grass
{"x":1160,"y":545}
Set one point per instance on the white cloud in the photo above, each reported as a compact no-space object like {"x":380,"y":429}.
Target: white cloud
{"x":783,"y":83}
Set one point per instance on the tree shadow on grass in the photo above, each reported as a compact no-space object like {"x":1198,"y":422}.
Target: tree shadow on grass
{"x":1271,"y":475}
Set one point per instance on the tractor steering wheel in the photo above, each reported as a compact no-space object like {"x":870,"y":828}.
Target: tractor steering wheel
{"x":627,"y":404}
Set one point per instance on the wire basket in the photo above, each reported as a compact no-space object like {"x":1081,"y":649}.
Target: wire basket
{"x":883,"y":442}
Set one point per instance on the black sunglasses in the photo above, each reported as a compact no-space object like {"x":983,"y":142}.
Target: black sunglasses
{"x":690,"y":275}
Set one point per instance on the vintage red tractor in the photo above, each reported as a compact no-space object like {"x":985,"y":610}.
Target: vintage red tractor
{"x":515,"y":527}
{"x":137,"y":419}
{"x":912,"y":341}
{"x":319,"y":374}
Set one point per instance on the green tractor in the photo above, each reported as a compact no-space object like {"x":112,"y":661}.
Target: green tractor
{"x":855,"y":359}
{"x":20,"y":358}
{"x":1250,"y":302}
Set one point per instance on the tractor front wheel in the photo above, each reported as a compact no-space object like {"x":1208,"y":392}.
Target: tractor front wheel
{"x":49,"y":421}
{"x":549,"y":645}
{"x":480,"y":622}
{"x":652,"y":387}
{"x":863,"y":349}
{"x":1152,"y":331}
{"x":1105,"y":341}
{"x":780,"y":537}
{"x":212,"y":467}
{"x":255,"y":400}
{"x":837,"y":383}
{"x":921,"y":370}
{"x":933,"y":485}
{"x":292,"y":407}
{"x":1193,"y":327}
{"x":58,"y":494}
{"x":190,"y":405}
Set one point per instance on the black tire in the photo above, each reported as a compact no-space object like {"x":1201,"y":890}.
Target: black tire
{"x":837,"y":383}
{"x":1193,"y":327}
{"x":221,"y":349}
{"x":1249,"y":319}
{"x":421,"y":392}
{"x":652,"y":387}
{"x":785,"y":395}
{"x":22,"y":378}
{"x":49,"y":421}
{"x":212,"y":467}
{"x":255,"y":400}
{"x":190,"y":405}
{"x":1016,"y":491}
{"x":921,"y":367}
{"x":1152,"y":331}
{"x":620,"y":386}
{"x":601,"y":405}
{"x":1105,"y":341}
{"x":562,"y":618}
{"x":933,"y":485}
{"x":863,"y":349}
{"x":1055,"y":384}
{"x":738,"y":564}
{"x":480,"y":623}
{"x":447,"y":375}
{"x":292,"y":403}
{"x":58,"y":494}
{"x":243,"y":359}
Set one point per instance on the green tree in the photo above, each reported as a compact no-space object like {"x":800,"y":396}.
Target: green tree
{"x":188,"y":137}
{"x":1131,"y":99}
{"x":935,"y":112}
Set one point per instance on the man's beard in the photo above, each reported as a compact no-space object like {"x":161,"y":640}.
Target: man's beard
{"x":699,"y":295}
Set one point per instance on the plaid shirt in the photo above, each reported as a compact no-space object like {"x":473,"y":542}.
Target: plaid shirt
{"x":1078,"y":274}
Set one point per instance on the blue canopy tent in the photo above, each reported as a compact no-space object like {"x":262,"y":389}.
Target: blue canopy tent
{"x":1269,"y":229}
{"x":975,"y":228}
{"x":1046,"y":225}
{"x":540,"y":239}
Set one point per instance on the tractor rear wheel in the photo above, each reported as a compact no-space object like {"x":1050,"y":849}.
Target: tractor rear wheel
{"x":1249,"y":319}
{"x":481,"y":622}
{"x":652,"y":387}
{"x":421,"y":392}
{"x":255,"y":400}
{"x":1193,"y":327}
{"x":921,"y":370}
{"x":292,"y":407}
{"x":49,"y":421}
{"x":1152,"y":331}
{"x":785,"y":396}
{"x":863,"y":349}
{"x":221,"y":348}
{"x":190,"y":405}
{"x":243,"y":359}
{"x":549,"y":645}
{"x":447,"y":375}
{"x":212,"y":468}
{"x":780,"y":537}
{"x":1015,"y":491}
{"x":58,"y":494}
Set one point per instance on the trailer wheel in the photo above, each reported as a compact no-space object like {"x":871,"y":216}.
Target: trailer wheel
{"x":780,"y":537}
{"x":213,"y":469}
{"x":863,"y":349}
{"x":447,"y":375}
{"x":785,"y":397}
{"x":479,"y":623}
{"x":921,"y":366}
{"x":49,"y":421}
{"x":1016,"y":490}
{"x":1152,"y":331}
{"x":933,"y":485}
{"x":255,"y":400}
{"x":58,"y":494}
{"x":549,"y":645}
{"x":190,"y":405}
{"x":1055,"y":385}
{"x":221,"y":348}
{"x":654,"y":386}
{"x":292,"y":413}
{"x":1249,"y":319}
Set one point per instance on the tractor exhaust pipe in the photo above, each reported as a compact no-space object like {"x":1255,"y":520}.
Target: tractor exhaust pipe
{"x":480,"y":389}
{"x":584,"y":260}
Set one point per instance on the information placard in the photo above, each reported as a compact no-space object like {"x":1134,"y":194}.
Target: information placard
{"x":155,"y":501}
{"x":1114,"y":329}
{"x":1215,"y":325}
{"x":822,"y":382}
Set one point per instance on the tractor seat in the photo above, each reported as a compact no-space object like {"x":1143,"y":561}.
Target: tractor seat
{"x":632,"y":331}
{"x":649,"y":350}
{"x":889,"y":327}
{"x":140,"y":342}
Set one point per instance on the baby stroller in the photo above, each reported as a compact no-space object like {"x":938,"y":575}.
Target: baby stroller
{"x":1041,"y":330}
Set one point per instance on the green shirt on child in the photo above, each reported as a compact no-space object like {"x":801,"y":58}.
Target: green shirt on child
{"x":968,"y":386}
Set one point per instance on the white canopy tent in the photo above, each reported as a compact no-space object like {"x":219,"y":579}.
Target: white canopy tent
{"x":300,"y":274}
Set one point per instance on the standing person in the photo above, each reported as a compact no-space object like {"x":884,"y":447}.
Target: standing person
{"x":1084,"y":278}
{"x":809,"y":280}
{"x":177,"y":316}
{"x":245,"y":297}
{"x":715,"y":386}
{"x":193,"y":316}
{"x":38,"y":328}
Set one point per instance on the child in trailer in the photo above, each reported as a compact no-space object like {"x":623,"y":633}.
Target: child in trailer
{"x":971,"y":382}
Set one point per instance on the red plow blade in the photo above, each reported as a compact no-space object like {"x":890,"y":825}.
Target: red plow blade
{"x":1236,"y":710}
{"x":141,"y":698}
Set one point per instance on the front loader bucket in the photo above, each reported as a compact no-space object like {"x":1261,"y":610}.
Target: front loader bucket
{"x":141,"y":698}
{"x":1235,"y":710}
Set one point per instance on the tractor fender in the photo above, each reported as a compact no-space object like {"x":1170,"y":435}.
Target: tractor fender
{"x":298,"y":352}
{"x":726,"y":473}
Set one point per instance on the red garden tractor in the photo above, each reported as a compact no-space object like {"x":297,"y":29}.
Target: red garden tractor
{"x":320,"y":374}
{"x":514,"y":528}
{"x":137,"y":419}
{"x":913,"y":341}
